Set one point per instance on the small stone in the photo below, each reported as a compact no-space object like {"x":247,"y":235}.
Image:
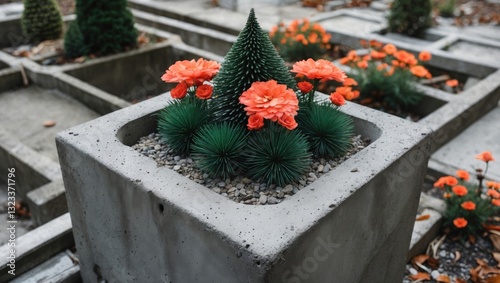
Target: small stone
{"x":231,"y":190}
{"x":435,"y":274}
{"x":221,"y":184}
{"x":327,"y":168}
{"x":320,"y":168}
{"x":313,"y":176}
{"x":240,"y":186}
{"x":177,"y":158}
{"x":246,"y":181}
{"x":177,"y":167}
{"x":157,"y":147}
{"x":413,"y":271}
{"x":272,"y":200}
{"x":442,"y":254}
{"x":288,"y":189}
{"x":295,"y":190}
{"x":217,"y":190}
{"x":263,"y":199}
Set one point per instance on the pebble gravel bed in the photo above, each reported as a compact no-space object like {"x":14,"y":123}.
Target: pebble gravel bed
{"x":240,"y":188}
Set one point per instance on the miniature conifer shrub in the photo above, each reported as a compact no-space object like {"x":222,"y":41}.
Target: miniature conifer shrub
{"x":107,"y":26}
{"x":41,"y":20}
{"x":74,"y":46}
{"x":249,"y":126}
{"x":252,"y":58}
{"x":410,"y":17}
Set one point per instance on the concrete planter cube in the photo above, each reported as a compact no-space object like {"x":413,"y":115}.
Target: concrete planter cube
{"x":136,"y":221}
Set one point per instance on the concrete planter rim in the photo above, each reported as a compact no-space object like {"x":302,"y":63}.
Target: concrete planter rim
{"x":289,"y":219}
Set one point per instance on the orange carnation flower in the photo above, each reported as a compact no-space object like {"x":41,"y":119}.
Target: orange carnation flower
{"x":459,"y":190}
{"x":493,"y":193}
{"x":462,"y":174}
{"x":389,"y":49}
{"x":468,"y":205}
{"x":346,"y":92}
{"x":320,"y":69}
{"x":363,"y":64}
{"x":350,"y":82}
{"x":305,"y":87}
{"x":447,"y":195}
{"x":424,"y":56}
{"x":377,"y":55}
{"x":255,"y":122}
{"x":447,"y":180}
{"x":485,"y":156}
{"x":352,"y":55}
{"x":495,"y":202}
{"x":493,"y":185}
{"x":460,"y":222}
{"x":405,"y":57}
{"x":419,"y":71}
{"x":204,"y":91}
{"x":451,"y":83}
{"x":191,"y":72}
{"x":180,"y":91}
{"x":288,"y":122}
{"x":337,"y":99}
{"x":270,"y":100}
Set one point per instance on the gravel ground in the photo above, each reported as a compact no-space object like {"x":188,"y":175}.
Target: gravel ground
{"x":240,"y":188}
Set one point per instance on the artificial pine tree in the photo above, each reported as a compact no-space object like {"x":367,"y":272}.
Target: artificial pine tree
{"x":107,"y":26}
{"x":410,"y":17}
{"x":41,"y":20}
{"x":74,"y":46}
{"x":251,"y":58}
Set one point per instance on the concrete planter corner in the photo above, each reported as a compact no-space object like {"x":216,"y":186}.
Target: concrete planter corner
{"x":134,"y":221}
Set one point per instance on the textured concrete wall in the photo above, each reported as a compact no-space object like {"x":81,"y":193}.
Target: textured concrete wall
{"x":135,"y":221}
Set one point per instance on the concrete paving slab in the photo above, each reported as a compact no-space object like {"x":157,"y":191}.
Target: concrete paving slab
{"x":24,"y":111}
{"x":483,"y":135}
{"x":475,"y":50}
{"x":47,"y":270}
{"x":22,"y":226}
{"x":350,"y":24}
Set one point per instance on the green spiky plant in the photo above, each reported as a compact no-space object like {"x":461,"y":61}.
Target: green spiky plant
{"x":277,"y":155}
{"x":74,"y":45}
{"x":217,"y":149}
{"x":327,"y":129}
{"x":410,"y":17}
{"x":252,"y":58}
{"x":41,"y":20}
{"x":107,"y":26}
{"x":179,"y":122}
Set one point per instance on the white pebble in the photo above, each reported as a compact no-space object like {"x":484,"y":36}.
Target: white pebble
{"x":435,"y":274}
{"x":413,"y":271}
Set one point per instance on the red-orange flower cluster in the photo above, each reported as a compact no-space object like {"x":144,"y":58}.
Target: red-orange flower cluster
{"x":447,"y":180}
{"x":493,"y":185}
{"x":462,"y":174}
{"x":191,"y":72}
{"x":321,"y":69}
{"x":271,"y":101}
{"x":468,"y":205}
{"x":460,"y":222}
{"x":459,"y":190}
{"x":485,"y":156}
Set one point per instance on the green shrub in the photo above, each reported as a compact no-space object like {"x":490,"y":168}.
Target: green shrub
{"x":107,"y":26}
{"x":217,"y":149}
{"x":252,"y":58}
{"x":410,"y":17}
{"x":277,"y":155}
{"x":179,"y":122}
{"x":448,"y":8}
{"x":41,"y":20}
{"x":74,"y":46}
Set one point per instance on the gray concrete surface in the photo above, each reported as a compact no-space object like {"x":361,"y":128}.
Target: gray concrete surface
{"x":22,"y":226}
{"x":47,"y":202}
{"x":147,"y":223}
{"x":58,"y":269}
{"x":483,"y":135}
{"x":23,"y":112}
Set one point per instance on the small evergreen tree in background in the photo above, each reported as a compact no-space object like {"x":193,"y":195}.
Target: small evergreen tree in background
{"x":410,"y":17}
{"x":252,"y":58}
{"x":74,"y":46}
{"x":41,"y":20}
{"x":107,"y":26}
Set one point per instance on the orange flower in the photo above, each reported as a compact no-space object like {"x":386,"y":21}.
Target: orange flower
{"x":459,"y":190}
{"x":313,"y":38}
{"x":350,"y":82}
{"x":180,"y":91}
{"x":352,"y":55}
{"x":344,"y":60}
{"x":447,"y":195}
{"x":390,"y":72}
{"x":493,"y":193}
{"x":405,"y":57}
{"x":305,"y":87}
{"x":451,"y":83}
{"x":389,"y":49}
{"x":255,"y":122}
{"x":320,"y":69}
{"x":485,"y":156}
{"x":363,"y":64}
{"x":468,"y":205}
{"x":495,"y":202}
{"x":270,"y":100}
{"x":204,"y":91}
{"x":382,"y":66}
{"x":447,"y":180}
{"x":419,"y":71}
{"x":337,"y":99}
{"x":288,"y":122}
{"x":424,"y":56}
{"x":462,"y":174}
{"x":374,"y":43}
{"x":460,"y":222}
{"x":377,"y":55}
{"x":493,"y":185}
{"x":192,"y":72}
{"x":346,"y":92}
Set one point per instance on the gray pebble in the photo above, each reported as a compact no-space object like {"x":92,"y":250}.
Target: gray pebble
{"x":177,"y":167}
{"x":263,"y":199}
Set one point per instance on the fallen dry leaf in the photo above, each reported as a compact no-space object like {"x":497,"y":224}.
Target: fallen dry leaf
{"x":458,"y":255}
{"x":460,"y":280}
{"x":418,"y":261}
{"x":495,"y":239}
{"x":443,"y":278}
{"x":49,"y":123}
{"x":472,"y":239}
{"x":420,"y":276}
{"x":496,"y":256}
{"x":494,"y":279}
{"x":423,"y":217}
{"x":481,"y":262}
{"x":474,"y":274}
{"x":433,"y":262}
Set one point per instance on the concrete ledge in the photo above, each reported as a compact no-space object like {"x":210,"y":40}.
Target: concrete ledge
{"x":37,"y":246}
{"x":424,"y":232}
{"x":10,"y":78}
{"x":47,"y":202}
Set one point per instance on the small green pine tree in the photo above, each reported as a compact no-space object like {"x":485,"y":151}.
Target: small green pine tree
{"x":252,"y":58}
{"x":41,"y":20}
{"x":74,"y":46}
{"x":107,"y":26}
{"x":410,"y":17}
